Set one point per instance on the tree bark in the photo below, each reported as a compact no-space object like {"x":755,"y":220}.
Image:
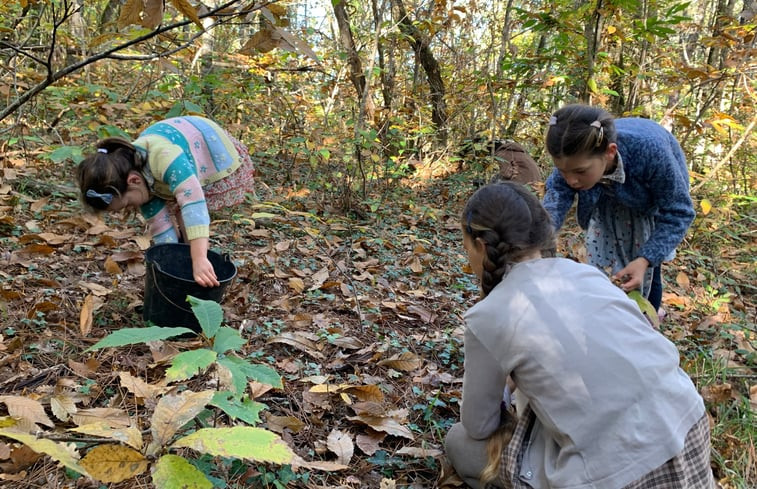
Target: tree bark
{"x":425,"y":57}
{"x":357,"y":77}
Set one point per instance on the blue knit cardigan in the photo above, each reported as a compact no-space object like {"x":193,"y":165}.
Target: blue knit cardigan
{"x":656,"y":183}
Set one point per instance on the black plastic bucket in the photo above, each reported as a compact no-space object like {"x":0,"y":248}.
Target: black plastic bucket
{"x":169,"y":280}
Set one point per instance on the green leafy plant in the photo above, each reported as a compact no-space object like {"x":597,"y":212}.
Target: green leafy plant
{"x":171,"y":430}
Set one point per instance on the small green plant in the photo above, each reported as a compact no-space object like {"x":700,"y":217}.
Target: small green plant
{"x":171,"y":432}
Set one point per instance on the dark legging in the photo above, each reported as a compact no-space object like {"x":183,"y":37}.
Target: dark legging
{"x":655,"y":291}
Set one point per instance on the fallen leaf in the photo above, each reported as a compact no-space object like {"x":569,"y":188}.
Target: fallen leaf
{"x":420,"y":452}
{"x":405,"y":361}
{"x":683,"y":280}
{"x":112,"y":267}
{"x":86,"y":315}
{"x":20,"y":407}
{"x":340,"y":443}
{"x":114,"y":463}
{"x":369,"y":443}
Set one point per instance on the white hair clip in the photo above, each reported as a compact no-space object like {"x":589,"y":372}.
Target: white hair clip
{"x":102,"y":150}
{"x":553,"y":121}
{"x":601,"y":134}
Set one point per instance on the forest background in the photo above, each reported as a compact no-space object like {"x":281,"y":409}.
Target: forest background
{"x":339,"y":364}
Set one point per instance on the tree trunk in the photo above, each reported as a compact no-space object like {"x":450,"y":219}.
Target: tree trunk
{"x":357,"y":77}
{"x":425,"y":57}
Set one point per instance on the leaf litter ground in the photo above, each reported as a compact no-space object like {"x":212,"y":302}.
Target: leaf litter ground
{"x":360,"y":315}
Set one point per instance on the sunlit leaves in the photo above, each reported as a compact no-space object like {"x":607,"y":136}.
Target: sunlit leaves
{"x":246,"y":442}
{"x":174,"y":472}
{"x":63,"y":453}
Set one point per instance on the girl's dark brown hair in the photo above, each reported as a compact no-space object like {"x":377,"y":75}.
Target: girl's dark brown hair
{"x":581,"y":130}
{"x":512,"y":223}
{"x":106,"y":170}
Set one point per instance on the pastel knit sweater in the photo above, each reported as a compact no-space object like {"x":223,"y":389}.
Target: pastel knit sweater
{"x":656,"y":183}
{"x":184,"y":154}
{"x":611,"y":402}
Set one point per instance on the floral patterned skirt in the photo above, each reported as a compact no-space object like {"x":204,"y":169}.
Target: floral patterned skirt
{"x":231,"y":190}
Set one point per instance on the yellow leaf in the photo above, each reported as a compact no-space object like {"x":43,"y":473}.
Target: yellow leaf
{"x":63,"y":406}
{"x":86,"y":315}
{"x":114,"y":463}
{"x":611,"y":29}
{"x":65,"y":454}
{"x":139,"y":387}
{"x":130,"y":435}
{"x":706,"y":206}
{"x":188,"y":10}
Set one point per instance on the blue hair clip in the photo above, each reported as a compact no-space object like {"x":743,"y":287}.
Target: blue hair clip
{"x":106,"y":197}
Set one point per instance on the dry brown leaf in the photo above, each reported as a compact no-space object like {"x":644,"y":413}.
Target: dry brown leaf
{"x":116,"y":418}
{"x":367,"y":392}
{"x":130,"y":13}
{"x":419,"y":452}
{"x":86,"y":316}
{"x":96,"y":289}
{"x":683,"y":280}
{"x":340,"y":443}
{"x":425,"y":315}
{"x":55,"y":239}
{"x":153,"y":14}
{"x":140,"y":388}
{"x":322,"y":465}
{"x":277,"y":424}
{"x":319,"y":278}
{"x":173,"y":412}
{"x":129,"y":435}
{"x":114,"y":463}
{"x":415,"y":265}
{"x":297,"y":284}
{"x":370,"y":443}
{"x":63,"y":406}
{"x":386,"y":425}
{"x":717,"y":393}
{"x":112,"y":267}
{"x":299,"y":341}
{"x":188,"y":11}
{"x":20,"y":407}
{"x":405,"y":361}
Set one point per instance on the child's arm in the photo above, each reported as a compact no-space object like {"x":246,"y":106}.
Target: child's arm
{"x":483,"y":386}
{"x":202,"y":269}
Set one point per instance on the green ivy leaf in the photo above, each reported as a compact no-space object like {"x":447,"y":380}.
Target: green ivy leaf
{"x":133,"y":336}
{"x":187,"y":364}
{"x":208,"y":313}
{"x":247,"y":410}
{"x":174,"y":472}
{"x":227,"y":339}
{"x":245,"y":442}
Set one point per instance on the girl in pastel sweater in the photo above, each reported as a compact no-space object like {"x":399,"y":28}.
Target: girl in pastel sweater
{"x":632,"y":184}
{"x":602,"y":401}
{"x":177,"y":171}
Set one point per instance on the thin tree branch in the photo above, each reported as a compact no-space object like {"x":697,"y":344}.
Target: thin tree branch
{"x":109,"y":53}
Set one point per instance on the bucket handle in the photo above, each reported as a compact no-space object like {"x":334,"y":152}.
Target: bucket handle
{"x":157,"y":287}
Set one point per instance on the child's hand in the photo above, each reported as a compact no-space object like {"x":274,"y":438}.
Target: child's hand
{"x":632,"y":275}
{"x":203,"y":273}
{"x":202,"y":269}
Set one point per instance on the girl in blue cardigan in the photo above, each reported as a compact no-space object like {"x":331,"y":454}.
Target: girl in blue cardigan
{"x":632,"y":184}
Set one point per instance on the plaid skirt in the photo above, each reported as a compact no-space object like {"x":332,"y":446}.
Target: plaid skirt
{"x":690,"y":469}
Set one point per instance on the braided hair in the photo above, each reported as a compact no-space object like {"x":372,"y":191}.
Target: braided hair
{"x":512,"y":223}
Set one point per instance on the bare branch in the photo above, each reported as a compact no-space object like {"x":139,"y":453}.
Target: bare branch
{"x":109,"y":53}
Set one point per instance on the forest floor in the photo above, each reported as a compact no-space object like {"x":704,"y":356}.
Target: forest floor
{"x":367,"y":303}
